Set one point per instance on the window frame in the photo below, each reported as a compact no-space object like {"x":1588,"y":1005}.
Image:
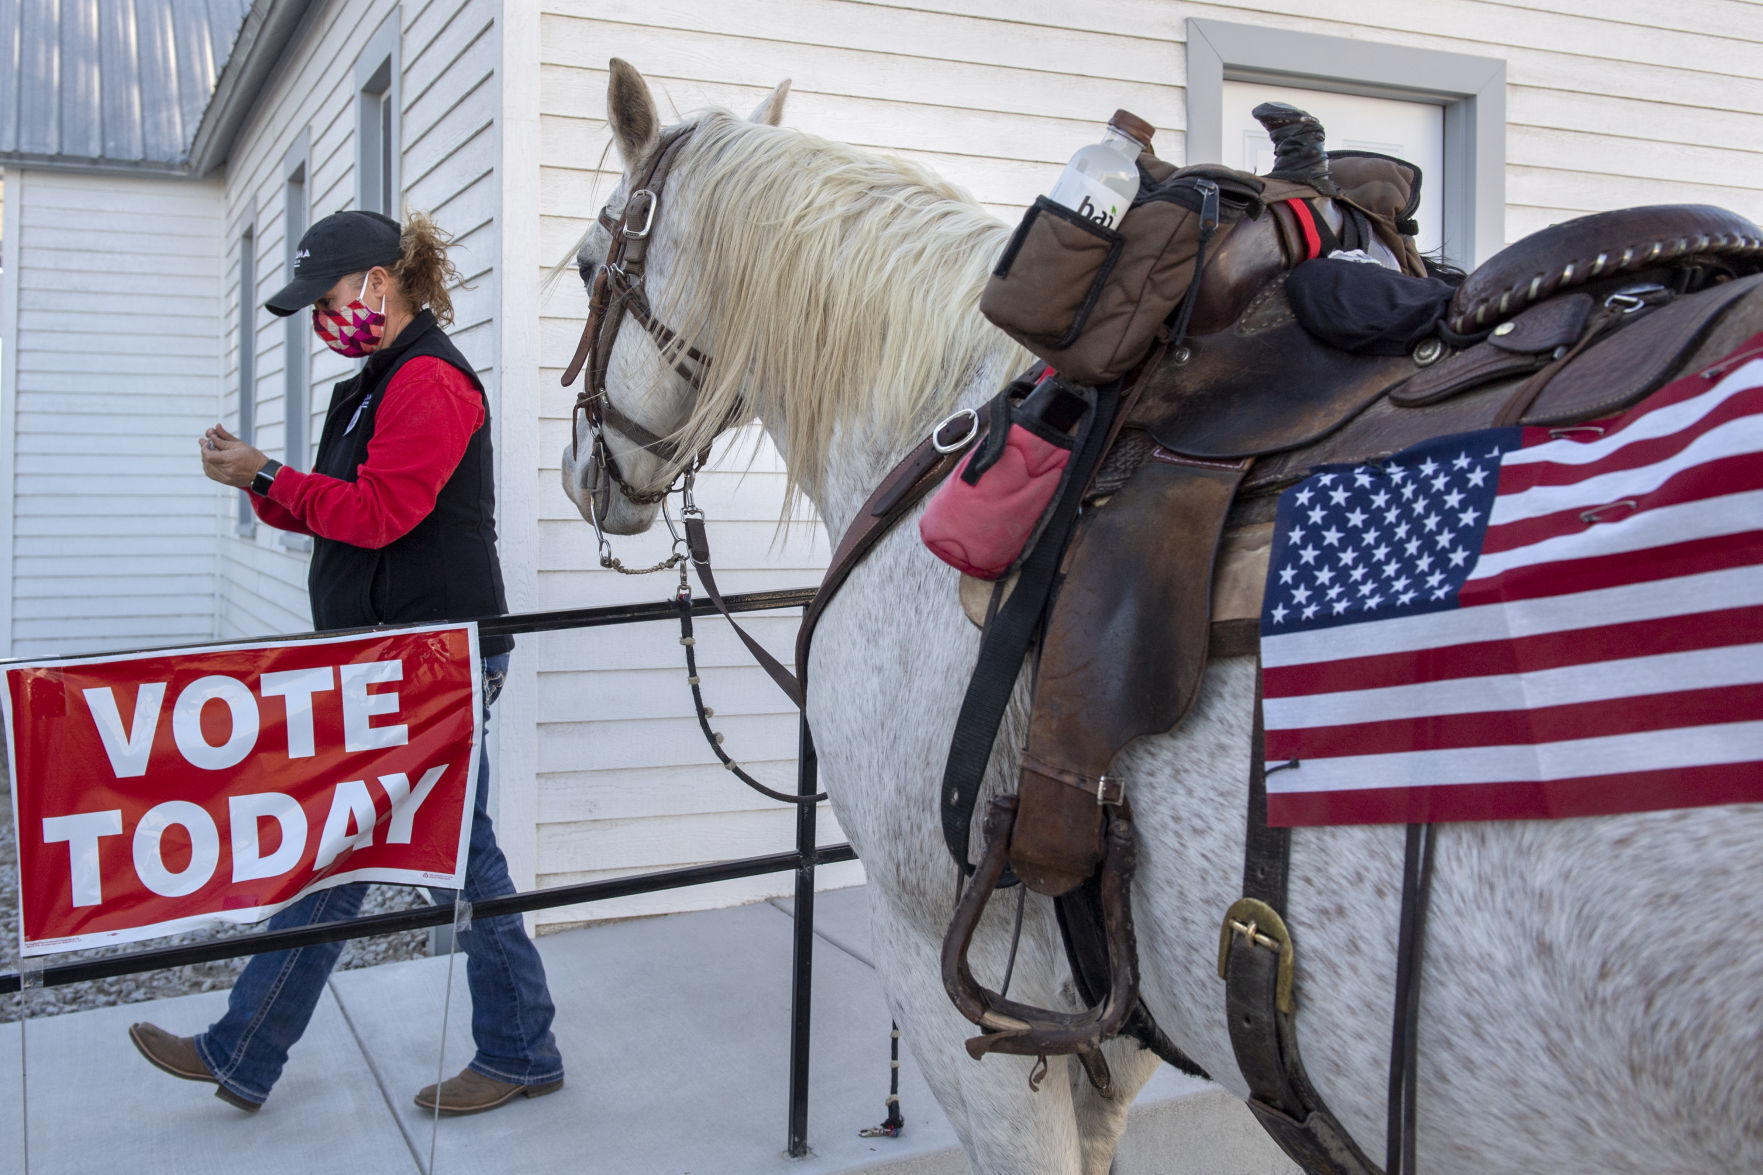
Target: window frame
{"x":297,"y":327}
{"x":378,"y":127}
{"x":1471,"y":89}
{"x":246,"y":325}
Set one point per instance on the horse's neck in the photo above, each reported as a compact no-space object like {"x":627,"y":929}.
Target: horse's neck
{"x":862,"y":455}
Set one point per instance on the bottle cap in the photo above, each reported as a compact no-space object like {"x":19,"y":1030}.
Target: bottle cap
{"x":1128,"y":123}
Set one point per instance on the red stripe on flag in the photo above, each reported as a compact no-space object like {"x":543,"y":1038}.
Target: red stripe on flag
{"x":1737,"y":474}
{"x":1493,"y":658}
{"x":1621,"y":569}
{"x":1634,"y":455}
{"x":1603,"y":718}
{"x":1598,"y":795}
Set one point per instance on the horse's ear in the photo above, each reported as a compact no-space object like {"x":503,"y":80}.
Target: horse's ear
{"x":636,"y":127}
{"x":771,"y":111}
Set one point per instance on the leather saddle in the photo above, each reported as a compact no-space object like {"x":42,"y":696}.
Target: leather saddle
{"x":1223,"y":423}
{"x":1166,"y":566}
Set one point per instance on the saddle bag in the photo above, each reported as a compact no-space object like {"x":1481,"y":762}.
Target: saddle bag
{"x":986,"y":515}
{"x":1090,"y":299}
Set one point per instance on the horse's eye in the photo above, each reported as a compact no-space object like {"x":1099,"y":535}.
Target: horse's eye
{"x":586,"y":269}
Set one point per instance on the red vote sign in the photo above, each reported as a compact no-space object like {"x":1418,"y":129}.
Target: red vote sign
{"x":157,"y":791}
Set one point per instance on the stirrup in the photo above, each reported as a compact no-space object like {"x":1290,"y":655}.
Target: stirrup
{"x":1021,"y":1029}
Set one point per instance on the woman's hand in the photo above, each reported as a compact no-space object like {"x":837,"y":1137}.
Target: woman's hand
{"x":228,"y":460}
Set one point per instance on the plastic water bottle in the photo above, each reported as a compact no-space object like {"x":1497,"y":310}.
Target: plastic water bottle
{"x":1101,"y":180}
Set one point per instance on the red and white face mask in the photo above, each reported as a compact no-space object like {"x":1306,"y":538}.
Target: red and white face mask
{"x":353,"y":331}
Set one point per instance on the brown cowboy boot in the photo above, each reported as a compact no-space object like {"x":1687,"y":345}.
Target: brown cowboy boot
{"x":472,"y":1093}
{"x":177,"y":1055}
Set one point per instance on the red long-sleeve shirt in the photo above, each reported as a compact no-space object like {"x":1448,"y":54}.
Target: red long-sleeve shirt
{"x":427,"y":416}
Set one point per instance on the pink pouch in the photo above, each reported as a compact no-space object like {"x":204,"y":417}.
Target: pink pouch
{"x":982,"y":526}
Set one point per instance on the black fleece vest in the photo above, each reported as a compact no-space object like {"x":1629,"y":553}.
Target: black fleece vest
{"x":446,"y":567}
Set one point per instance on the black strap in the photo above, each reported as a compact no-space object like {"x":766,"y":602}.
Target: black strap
{"x":1079,"y":912}
{"x":1208,"y":225}
{"x":1329,"y":242}
{"x":1405,"y":1031}
{"x":699,"y":541}
{"x":997,"y":425}
{"x":1006,"y":640}
{"x":1267,"y":851}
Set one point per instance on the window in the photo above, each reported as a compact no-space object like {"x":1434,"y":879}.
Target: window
{"x":1229,"y":64}
{"x":376,"y":122}
{"x":247,"y":357}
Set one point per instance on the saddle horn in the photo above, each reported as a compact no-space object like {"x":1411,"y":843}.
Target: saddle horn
{"x":1298,"y":154}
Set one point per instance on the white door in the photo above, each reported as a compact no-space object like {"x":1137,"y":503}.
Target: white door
{"x":1414,"y":131}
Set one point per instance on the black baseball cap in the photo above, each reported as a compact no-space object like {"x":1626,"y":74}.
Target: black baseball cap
{"x":340,"y":244}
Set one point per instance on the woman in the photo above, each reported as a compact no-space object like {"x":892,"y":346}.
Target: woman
{"x":401,"y":507}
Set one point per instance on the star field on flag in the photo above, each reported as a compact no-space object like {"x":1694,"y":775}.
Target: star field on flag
{"x":1526,"y":623}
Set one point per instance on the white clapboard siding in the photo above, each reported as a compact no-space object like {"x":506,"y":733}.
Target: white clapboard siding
{"x":115,"y":374}
{"x":446,"y":147}
{"x":1625,"y":103}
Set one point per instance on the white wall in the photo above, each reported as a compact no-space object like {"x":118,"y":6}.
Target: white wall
{"x":1610,"y":105}
{"x":111,"y":376}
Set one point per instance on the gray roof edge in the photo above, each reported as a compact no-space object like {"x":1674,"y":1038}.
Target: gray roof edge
{"x":63,"y":163}
{"x":266,"y":34}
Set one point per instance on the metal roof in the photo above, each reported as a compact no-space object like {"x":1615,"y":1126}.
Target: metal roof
{"x":110,"y":84}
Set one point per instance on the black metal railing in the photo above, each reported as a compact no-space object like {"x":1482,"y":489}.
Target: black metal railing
{"x":804,"y":859}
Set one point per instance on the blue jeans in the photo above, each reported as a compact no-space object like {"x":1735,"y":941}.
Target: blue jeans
{"x":511,"y":1009}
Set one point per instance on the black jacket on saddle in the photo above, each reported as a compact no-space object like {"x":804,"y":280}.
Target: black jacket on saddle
{"x":446,"y":567}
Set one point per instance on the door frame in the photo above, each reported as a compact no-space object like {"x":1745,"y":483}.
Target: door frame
{"x":1471,"y":89}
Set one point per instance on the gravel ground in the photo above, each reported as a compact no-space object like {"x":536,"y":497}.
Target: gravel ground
{"x":153,"y":985}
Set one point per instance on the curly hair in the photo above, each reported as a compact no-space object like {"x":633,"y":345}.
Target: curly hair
{"x":422,"y":270}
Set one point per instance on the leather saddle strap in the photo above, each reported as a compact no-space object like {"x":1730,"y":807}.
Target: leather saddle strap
{"x":1519,"y":403}
{"x":699,"y":541}
{"x":1257,"y":966}
{"x":1122,"y":657}
{"x":1006,"y":640}
{"x":917,"y":474}
{"x":1267,"y":852}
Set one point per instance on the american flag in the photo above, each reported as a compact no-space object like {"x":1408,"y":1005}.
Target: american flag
{"x":1526,"y":623}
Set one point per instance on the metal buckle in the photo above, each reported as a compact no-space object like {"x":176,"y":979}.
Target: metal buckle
{"x":648,"y":217}
{"x":1110,"y":790}
{"x":1634,"y":297}
{"x":1260,"y":925}
{"x":936,"y":436}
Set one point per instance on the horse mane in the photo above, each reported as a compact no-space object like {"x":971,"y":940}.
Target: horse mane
{"x":837,"y":285}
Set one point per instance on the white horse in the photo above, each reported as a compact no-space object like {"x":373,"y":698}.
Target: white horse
{"x":1592,"y":993}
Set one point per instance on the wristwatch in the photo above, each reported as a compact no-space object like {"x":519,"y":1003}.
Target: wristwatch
{"x":265,"y":478}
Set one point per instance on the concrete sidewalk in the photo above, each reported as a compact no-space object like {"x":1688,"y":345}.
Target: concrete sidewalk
{"x":675,"y":1031}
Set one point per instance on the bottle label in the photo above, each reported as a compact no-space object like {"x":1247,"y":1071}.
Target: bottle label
{"x":1097,"y":203}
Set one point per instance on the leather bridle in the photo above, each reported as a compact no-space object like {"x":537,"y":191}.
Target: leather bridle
{"x":618,"y":291}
